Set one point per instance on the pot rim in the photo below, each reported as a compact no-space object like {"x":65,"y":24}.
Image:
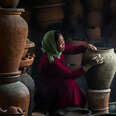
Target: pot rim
{"x":98,"y":91}
{"x":11,"y":11}
{"x":10,"y":74}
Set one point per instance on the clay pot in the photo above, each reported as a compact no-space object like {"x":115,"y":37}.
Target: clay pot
{"x":26,"y":62}
{"x":46,"y":15}
{"x":29,"y":49}
{"x":98,"y":100}
{"x":9,"y":3}
{"x":96,"y":5}
{"x":46,"y":2}
{"x":94,"y":34}
{"x":13,"y":93}
{"x":94,"y":19}
{"x":13,"y":36}
{"x":100,"y":76}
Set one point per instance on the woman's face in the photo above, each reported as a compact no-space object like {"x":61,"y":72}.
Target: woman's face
{"x":61,"y":43}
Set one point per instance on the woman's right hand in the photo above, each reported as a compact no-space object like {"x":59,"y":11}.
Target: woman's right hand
{"x":98,"y":59}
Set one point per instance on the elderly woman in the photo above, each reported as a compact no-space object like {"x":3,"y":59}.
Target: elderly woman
{"x":57,"y":89}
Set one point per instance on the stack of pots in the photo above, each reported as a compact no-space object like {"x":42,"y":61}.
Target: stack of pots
{"x":13,"y":36}
{"x":74,"y":12}
{"x":28,"y":56}
{"x":113,"y":7}
{"x":95,"y":8}
{"x":46,"y":13}
{"x":99,"y":79}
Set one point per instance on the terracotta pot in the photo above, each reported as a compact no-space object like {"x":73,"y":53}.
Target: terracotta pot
{"x":96,"y":5}
{"x":9,"y":3}
{"x":13,"y":36}
{"x":94,"y":19}
{"x":13,"y":93}
{"x":46,"y":15}
{"x":100,"y":76}
{"x":94,"y":34}
{"x":46,"y":2}
{"x":98,"y":100}
{"x":29,"y":49}
{"x":26,"y":62}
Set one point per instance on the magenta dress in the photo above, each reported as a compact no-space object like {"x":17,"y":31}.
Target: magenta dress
{"x":56,"y":82}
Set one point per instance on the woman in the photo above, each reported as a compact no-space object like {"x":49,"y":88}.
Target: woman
{"x":57,"y":88}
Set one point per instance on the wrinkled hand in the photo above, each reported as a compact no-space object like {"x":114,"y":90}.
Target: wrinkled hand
{"x":91,"y":47}
{"x":96,"y":60}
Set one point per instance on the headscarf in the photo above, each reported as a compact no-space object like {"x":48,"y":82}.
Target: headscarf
{"x":49,"y":46}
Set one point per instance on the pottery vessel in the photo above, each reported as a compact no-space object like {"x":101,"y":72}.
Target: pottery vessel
{"x":100,"y":76}
{"x":98,"y":100}
{"x":9,"y":3}
{"x":43,"y":16}
{"x":13,"y":36}
{"x":29,"y":49}
{"x":45,"y":2}
{"x":13,"y":93}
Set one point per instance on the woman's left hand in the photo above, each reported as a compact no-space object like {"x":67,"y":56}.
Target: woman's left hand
{"x":92,"y":47}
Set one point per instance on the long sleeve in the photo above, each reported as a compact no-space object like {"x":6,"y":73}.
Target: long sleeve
{"x":62,"y":71}
{"x":69,"y":49}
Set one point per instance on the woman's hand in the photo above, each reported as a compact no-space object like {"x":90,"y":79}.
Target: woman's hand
{"x":92,"y":47}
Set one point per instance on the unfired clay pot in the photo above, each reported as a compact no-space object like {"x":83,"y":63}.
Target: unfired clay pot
{"x":100,"y":76}
{"x":13,"y":36}
{"x":9,"y":3}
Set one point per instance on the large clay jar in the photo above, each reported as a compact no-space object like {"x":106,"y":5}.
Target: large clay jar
{"x":13,"y":36}
{"x":45,"y":15}
{"x":13,"y":92}
{"x":100,"y":77}
{"x":9,"y":3}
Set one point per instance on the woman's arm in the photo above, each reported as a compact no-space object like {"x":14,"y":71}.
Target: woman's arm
{"x":62,"y":71}
{"x":70,"y":49}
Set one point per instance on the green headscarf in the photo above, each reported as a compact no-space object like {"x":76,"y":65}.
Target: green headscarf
{"x":49,"y":46}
